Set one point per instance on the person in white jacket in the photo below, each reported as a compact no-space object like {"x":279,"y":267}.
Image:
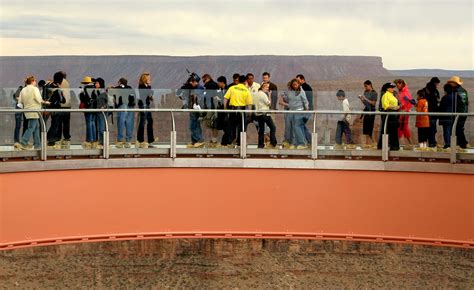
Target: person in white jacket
{"x":262,"y":103}
{"x":30,"y":98}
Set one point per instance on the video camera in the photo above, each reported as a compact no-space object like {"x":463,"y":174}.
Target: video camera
{"x":187,"y":86}
{"x":193,"y":76}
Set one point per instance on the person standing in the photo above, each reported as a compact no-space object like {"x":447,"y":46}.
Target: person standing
{"x":423,"y":121}
{"x":56,"y":99}
{"x":369,"y":99}
{"x":390,"y":104}
{"x":252,"y":86}
{"x":272,"y":88}
{"x":223,"y":118}
{"x":88,"y":103}
{"x":65,"y":117}
{"x":308,"y":90}
{"x":297,"y":102}
{"x":433,"y":99}
{"x":343,"y":125}
{"x":407,"y":102}
{"x":238,"y":98}
{"x":211,"y":101}
{"x":101,"y":102}
{"x":235,"y":80}
{"x":462,"y":106}
{"x":145,"y":102}
{"x":262,"y":103}
{"x":447,"y":105}
{"x":192,"y":91}
{"x":19,"y":118}
{"x":124,"y":98}
{"x":30,"y":98}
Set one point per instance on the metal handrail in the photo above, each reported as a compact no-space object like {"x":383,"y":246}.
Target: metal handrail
{"x":321,"y":112}
{"x":243,"y":150}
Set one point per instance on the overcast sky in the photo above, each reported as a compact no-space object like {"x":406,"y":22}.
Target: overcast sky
{"x":405,"y":33}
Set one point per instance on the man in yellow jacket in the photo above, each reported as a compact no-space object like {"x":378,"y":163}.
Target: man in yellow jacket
{"x":238,"y":97}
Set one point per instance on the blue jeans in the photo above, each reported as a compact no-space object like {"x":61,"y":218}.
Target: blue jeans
{"x":18,"y":118}
{"x":288,"y":129}
{"x":125,"y":121}
{"x":298,"y":126}
{"x":100,"y":127}
{"x":91,"y":130}
{"x":195,"y":128}
{"x":307,"y":132}
{"x":33,"y":129}
{"x":447,"y":131}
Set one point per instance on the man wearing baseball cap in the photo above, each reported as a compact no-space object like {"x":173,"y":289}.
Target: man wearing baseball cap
{"x":390,"y":104}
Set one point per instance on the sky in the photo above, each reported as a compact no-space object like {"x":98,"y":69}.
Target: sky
{"x":407,"y":34}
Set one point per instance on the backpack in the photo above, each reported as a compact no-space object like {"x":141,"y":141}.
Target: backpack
{"x":16,"y":95}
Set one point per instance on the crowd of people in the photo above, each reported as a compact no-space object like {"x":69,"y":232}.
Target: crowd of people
{"x":242,"y":93}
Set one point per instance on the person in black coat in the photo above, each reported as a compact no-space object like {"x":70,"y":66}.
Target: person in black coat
{"x":433,"y":98}
{"x":447,"y":105}
{"x":56,"y":98}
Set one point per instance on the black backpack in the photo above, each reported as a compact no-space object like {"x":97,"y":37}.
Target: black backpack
{"x":16,"y":95}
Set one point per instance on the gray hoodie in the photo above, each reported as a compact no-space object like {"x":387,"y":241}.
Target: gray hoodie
{"x":297,"y":101}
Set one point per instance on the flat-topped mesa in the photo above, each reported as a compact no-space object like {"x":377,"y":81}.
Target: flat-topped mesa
{"x":170,"y":71}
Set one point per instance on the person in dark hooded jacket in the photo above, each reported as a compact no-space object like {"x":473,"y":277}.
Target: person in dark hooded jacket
{"x":447,"y":105}
{"x":433,"y":98}
{"x":56,"y":98}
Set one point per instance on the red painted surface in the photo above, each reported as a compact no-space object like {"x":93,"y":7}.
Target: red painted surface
{"x":52,"y":207}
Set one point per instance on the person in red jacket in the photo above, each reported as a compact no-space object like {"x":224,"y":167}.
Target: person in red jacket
{"x":406,"y":103}
{"x":423,"y":121}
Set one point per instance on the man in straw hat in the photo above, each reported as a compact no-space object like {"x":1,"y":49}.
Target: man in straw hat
{"x":462,"y":106}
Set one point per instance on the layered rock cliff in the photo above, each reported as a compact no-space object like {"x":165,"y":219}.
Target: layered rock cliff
{"x":170,"y":72}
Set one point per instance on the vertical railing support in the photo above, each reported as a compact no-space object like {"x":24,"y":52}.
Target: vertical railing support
{"x":243,"y":139}
{"x":173,"y":137}
{"x":327,"y":133}
{"x":385,"y":145}
{"x":314,"y":140}
{"x":106,"y":134}
{"x":44,"y":138}
{"x":454,"y":141}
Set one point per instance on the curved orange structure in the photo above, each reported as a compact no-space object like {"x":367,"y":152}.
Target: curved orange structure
{"x":54,"y":207}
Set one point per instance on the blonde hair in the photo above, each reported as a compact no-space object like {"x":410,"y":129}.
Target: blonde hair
{"x":290,"y":84}
{"x":144,"y":78}
{"x":29,"y":80}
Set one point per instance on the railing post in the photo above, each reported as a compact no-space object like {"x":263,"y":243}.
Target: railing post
{"x":44,"y":138}
{"x":243,"y":139}
{"x":454,"y":141}
{"x":314,"y":140}
{"x":173,"y":137}
{"x":385,"y":147}
{"x":327,"y":132}
{"x":106,"y":149}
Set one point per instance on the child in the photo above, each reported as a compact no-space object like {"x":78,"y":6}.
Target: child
{"x":343,"y":124}
{"x":422,"y":121}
